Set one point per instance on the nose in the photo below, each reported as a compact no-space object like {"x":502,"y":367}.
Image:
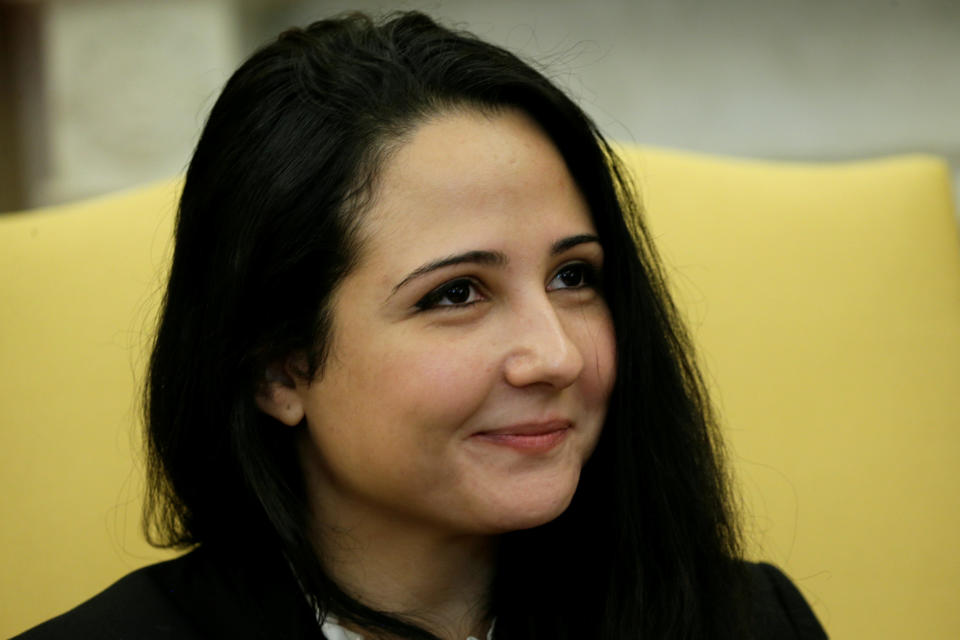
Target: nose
{"x":542,"y":350}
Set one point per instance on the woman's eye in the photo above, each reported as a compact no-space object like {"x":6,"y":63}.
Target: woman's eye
{"x":452,"y":294}
{"x":573,"y":276}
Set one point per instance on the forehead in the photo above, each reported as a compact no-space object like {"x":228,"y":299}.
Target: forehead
{"x":474,"y":173}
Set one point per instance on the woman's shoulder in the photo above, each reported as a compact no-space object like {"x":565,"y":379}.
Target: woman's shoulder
{"x":191,"y":597}
{"x":779,"y":609}
{"x":138,"y":605}
{"x":194,"y":597}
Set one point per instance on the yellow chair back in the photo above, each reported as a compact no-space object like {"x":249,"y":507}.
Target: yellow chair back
{"x":824,"y":299}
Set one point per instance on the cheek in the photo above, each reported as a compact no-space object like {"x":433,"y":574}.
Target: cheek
{"x":402,"y":390}
{"x":608,"y":358}
{"x":598,"y":346}
{"x":387,"y":423}
{"x":441,"y":384}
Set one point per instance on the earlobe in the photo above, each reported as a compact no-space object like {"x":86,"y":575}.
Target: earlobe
{"x":278,"y":396}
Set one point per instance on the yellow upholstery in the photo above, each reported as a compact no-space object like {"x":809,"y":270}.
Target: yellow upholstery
{"x":78,"y":290}
{"x":825,"y":301}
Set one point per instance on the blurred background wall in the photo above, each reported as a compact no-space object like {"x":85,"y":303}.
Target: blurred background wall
{"x":99,"y":95}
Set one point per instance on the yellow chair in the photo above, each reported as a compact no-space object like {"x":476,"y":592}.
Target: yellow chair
{"x":825,"y":300}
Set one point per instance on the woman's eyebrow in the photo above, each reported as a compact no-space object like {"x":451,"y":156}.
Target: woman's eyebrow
{"x":494,"y":258}
{"x":568,"y":243}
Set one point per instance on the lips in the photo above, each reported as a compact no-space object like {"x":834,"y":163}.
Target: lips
{"x":528,"y":437}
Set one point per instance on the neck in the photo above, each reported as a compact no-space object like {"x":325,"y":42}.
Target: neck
{"x":435,"y":579}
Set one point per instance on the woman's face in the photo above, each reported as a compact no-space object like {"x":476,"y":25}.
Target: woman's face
{"x":472,"y":356}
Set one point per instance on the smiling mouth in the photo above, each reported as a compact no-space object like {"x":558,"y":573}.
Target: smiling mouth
{"x":530,"y":437}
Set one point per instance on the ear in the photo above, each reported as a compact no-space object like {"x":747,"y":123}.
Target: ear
{"x":279,"y":397}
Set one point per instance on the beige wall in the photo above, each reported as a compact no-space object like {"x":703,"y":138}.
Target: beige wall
{"x":125,"y":89}
{"x":127,"y":83}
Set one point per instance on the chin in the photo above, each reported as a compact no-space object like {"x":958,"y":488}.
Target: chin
{"x":533,"y":510}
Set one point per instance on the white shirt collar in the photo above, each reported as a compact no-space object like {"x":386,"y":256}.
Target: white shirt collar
{"x":334,"y":631}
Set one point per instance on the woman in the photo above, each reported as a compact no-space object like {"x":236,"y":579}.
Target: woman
{"x":417,"y":374}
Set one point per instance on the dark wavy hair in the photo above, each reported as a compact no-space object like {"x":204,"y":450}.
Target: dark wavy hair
{"x":270,"y":207}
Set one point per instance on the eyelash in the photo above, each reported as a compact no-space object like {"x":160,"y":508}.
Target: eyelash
{"x":589,"y":277}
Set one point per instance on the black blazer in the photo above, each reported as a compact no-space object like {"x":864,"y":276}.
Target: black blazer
{"x":199,"y":597}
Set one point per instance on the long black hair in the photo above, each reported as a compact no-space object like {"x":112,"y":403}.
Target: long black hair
{"x":280,"y":176}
